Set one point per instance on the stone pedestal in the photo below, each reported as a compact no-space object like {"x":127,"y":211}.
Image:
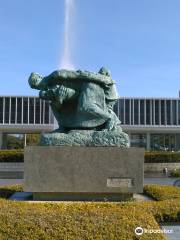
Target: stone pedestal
{"x":83,"y":173}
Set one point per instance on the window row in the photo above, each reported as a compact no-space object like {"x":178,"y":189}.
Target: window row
{"x":148,"y":111}
{"x":158,"y":142}
{"x":24,"y":111}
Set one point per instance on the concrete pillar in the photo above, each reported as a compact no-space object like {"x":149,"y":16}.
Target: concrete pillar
{"x":1,"y":140}
{"x":148,"y":142}
{"x":25,"y":140}
{"x":177,"y":142}
{"x":129,"y":137}
{"x":4,"y":141}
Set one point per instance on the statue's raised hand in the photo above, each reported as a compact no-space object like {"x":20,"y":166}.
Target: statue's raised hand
{"x":35,"y":81}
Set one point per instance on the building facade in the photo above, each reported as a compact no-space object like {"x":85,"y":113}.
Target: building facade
{"x":152,"y":123}
{"x":24,"y":115}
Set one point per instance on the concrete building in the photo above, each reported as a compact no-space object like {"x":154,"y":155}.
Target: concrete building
{"x":153,"y":123}
{"x":22,"y":115}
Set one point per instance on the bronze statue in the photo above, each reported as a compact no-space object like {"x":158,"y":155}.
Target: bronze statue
{"x":80,"y":100}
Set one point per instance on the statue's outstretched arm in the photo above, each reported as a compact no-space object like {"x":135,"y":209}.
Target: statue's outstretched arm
{"x":36,"y":81}
{"x":60,"y":76}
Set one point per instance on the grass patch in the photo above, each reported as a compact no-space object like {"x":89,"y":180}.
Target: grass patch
{"x":162,"y":192}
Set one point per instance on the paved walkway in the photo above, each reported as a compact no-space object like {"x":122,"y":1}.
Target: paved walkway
{"x":25,"y":196}
{"x":5,"y":182}
{"x":160,"y":180}
{"x":140,"y":197}
{"x":21,"y":196}
{"x":147,"y":180}
{"x":175,"y":228}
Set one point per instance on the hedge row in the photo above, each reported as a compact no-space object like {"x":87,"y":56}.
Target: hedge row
{"x":83,"y":221}
{"x":160,"y":157}
{"x":80,"y":221}
{"x":175,"y":173}
{"x":150,"y":157}
{"x":162,"y":192}
{"x":11,"y":156}
{"x":163,"y":211}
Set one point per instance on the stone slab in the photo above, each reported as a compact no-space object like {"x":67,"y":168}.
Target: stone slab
{"x":21,"y":196}
{"x":113,"y":197}
{"x":79,"y":170}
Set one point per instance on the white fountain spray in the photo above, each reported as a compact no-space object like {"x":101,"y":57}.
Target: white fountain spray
{"x":66,"y":61}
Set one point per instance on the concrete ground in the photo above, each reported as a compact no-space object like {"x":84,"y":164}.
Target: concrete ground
{"x":151,"y":179}
{"x":160,"y":181}
{"x":4,"y":182}
{"x":175,"y":228}
{"x":147,"y":180}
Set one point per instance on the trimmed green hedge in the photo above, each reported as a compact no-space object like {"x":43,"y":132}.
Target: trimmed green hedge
{"x":150,"y":157}
{"x":163,"y":211}
{"x":80,"y":221}
{"x":162,"y":157}
{"x":11,"y":155}
{"x":162,"y":192}
{"x":175,"y":173}
{"x":85,"y":220}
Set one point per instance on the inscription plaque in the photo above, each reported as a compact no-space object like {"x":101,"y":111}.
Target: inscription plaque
{"x":120,"y":182}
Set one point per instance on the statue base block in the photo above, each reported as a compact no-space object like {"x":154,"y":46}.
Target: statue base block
{"x":83,"y":173}
{"x":96,"y":197}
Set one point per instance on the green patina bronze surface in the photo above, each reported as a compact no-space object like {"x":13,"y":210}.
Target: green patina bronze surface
{"x":82,"y":103}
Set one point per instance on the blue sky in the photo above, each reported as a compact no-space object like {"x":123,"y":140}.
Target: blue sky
{"x":138,"y":40}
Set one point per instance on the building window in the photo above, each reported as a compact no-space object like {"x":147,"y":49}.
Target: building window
{"x":25,"y":110}
{"x":148,"y":112}
{"x":127,"y":112}
{"x":152,"y":112}
{"x":121,"y":110}
{"x":168,"y":111}
{"x":13,"y":110}
{"x":132,"y":112}
{"x":141,"y":111}
{"x":174,"y":112}
{"x":7,"y":104}
{"x":179,"y":112}
{"x":51,"y":116}
{"x":115,"y":108}
{"x":14,"y":141}
{"x":156,"y":112}
{"x":46,"y":112}
{"x":32,"y":139}
{"x":31,"y":110}
{"x":163,"y":142}
{"x":136,"y":112}
{"x":1,"y":110}
{"x":42,"y":111}
{"x":37,"y":116}
{"x":162,"y":112}
{"x":138,"y":140}
{"x":19,"y":110}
